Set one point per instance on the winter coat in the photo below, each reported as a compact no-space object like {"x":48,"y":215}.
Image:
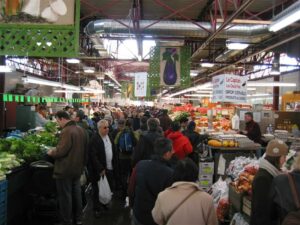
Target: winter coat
{"x":181,"y":144}
{"x":281,"y":194}
{"x":70,"y":153}
{"x":253,"y":131}
{"x":198,"y":209}
{"x":97,"y":157}
{"x":165,"y":122}
{"x":145,"y":146}
{"x":152,"y":177}
{"x":261,"y":199}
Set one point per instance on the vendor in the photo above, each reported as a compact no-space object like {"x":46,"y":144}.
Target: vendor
{"x":40,"y":116}
{"x":252,"y":130}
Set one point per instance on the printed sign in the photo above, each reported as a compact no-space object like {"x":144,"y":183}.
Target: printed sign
{"x":229,"y":88}
{"x":169,"y":66}
{"x":140,"y":85}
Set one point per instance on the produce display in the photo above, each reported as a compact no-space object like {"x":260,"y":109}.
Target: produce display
{"x":220,"y":197}
{"x":231,"y":141}
{"x":243,"y":171}
{"x":15,"y":150}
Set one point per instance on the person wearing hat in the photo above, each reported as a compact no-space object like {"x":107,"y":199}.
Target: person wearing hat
{"x":282,"y":196}
{"x":269,"y":168}
{"x":195,"y":140}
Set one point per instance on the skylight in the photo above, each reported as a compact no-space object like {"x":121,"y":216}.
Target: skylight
{"x":127,"y":49}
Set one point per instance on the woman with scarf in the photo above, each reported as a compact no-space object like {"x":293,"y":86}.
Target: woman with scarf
{"x":269,"y":167}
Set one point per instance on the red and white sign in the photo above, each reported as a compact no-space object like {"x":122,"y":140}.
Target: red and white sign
{"x":229,"y":88}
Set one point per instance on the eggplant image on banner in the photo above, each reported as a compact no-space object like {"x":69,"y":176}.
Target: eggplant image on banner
{"x":170,"y":74}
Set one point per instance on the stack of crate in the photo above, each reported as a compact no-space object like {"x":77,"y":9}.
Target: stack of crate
{"x":3,"y":202}
{"x":206,"y":173}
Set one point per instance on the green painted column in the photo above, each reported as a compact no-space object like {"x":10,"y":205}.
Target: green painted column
{"x":2,"y":104}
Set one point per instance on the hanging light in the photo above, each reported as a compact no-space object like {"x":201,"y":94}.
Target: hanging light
{"x":276,"y":65}
{"x":286,"y":17}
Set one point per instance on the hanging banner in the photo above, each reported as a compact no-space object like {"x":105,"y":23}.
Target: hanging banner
{"x":229,"y":88}
{"x":59,"y":12}
{"x":140,"y":85}
{"x":170,"y":63}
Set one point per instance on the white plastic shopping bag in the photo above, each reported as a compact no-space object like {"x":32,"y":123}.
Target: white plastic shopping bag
{"x":105,"y":193}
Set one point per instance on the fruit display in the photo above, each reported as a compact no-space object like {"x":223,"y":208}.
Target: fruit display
{"x":243,"y":183}
{"x":223,"y":209}
{"x":241,"y":164}
{"x":215,"y":143}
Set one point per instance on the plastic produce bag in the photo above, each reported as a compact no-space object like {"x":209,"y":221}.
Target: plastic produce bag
{"x":238,"y":219}
{"x":105,"y":193}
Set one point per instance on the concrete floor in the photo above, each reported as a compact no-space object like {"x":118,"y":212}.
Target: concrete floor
{"x":117,"y":214}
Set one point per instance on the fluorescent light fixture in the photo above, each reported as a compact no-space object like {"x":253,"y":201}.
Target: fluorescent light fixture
{"x":270,"y":84}
{"x":70,"y":87}
{"x":73,"y":61}
{"x":207,"y":65}
{"x":81,"y":91}
{"x":259,"y":95}
{"x":140,"y":58}
{"x":236,"y":45}
{"x":193,"y":73}
{"x":199,"y":87}
{"x":286,"y":17}
{"x":198,"y":95}
{"x":35,"y":80}
{"x":89,"y":69}
{"x":203,"y":92}
{"x":6,"y":69}
{"x":275,"y":72}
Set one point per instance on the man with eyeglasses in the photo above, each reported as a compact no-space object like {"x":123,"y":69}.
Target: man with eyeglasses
{"x":102,"y":161}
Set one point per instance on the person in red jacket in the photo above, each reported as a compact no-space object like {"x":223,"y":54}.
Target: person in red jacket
{"x":181,"y":144}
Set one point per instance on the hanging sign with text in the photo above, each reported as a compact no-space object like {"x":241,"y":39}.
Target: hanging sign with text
{"x":229,"y":88}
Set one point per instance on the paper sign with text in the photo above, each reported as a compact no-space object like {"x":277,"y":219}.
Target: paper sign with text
{"x":229,"y":88}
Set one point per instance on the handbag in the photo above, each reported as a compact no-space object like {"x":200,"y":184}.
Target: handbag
{"x":180,"y":204}
{"x":105,"y":193}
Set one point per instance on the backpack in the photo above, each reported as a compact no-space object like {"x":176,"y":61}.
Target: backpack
{"x":126,"y":142}
{"x":293,"y":217}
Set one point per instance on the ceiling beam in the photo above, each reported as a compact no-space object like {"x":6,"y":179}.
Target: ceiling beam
{"x":103,"y":8}
{"x":97,"y":9}
{"x":160,"y":3}
{"x":270,"y":47}
{"x":196,"y":54}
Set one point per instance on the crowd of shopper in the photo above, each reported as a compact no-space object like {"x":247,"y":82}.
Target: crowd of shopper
{"x":153,"y":160}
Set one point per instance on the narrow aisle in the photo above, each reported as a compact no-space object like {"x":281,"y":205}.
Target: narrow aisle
{"x":117,"y":214}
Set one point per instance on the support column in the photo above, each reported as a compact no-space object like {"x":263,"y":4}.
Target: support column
{"x":2,"y":104}
{"x":276,"y":94}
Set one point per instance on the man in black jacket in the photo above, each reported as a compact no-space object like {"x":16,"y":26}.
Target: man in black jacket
{"x":102,"y":161}
{"x":252,"y":130}
{"x":151,"y":177}
{"x":145,"y":146}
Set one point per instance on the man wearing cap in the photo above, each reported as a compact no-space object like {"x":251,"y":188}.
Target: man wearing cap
{"x":269,"y":167}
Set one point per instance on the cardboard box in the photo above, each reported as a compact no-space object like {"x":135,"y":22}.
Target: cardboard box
{"x":247,"y":205}
{"x":205,"y":181}
{"x":206,"y":168}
